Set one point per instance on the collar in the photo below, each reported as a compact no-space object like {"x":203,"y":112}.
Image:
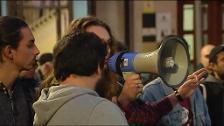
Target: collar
{"x":211,"y":78}
{"x":3,"y":88}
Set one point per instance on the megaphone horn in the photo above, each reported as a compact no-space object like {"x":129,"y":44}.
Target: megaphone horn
{"x":170,"y":61}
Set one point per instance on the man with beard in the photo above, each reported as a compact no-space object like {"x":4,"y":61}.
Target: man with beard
{"x":214,"y":86}
{"x":78,"y":65}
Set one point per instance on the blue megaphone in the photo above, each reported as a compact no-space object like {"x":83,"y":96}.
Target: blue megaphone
{"x":170,"y":61}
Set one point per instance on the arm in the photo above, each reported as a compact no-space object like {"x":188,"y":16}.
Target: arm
{"x":136,"y":111}
{"x":139,"y":113}
{"x":146,"y":113}
{"x":107,"y":113}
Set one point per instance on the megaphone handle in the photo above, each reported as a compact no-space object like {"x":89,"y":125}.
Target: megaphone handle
{"x":138,"y":95}
{"x":121,"y":81}
{"x":118,"y":63}
{"x":174,"y":89}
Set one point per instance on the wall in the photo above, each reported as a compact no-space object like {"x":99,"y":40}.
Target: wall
{"x":159,"y":6}
{"x":136,"y":25}
{"x":44,"y":31}
{"x":171,"y":7}
{"x":112,"y":12}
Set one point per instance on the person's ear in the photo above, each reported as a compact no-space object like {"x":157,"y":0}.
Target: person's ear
{"x":8,"y":52}
{"x":99,"y":70}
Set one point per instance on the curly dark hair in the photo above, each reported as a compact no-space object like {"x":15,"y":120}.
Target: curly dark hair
{"x":82,"y":54}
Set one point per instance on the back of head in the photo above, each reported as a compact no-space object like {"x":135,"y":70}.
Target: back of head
{"x":45,"y":57}
{"x":10,"y":31}
{"x":82,"y":53}
{"x":107,"y":86}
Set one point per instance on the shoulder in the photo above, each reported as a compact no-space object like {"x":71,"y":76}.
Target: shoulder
{"x":155,"y":90}
{"x":27,"y":83}
{"x":153,"y":84}
{"x":105,"y":112}
{"x":26,"y":86}
{"x":213,"y":86}
{"x":93,"y":103}
{"x":89,"y":110}
{"x":104,"y":105}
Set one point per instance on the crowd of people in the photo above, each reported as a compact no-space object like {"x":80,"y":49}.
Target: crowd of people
{"x":73,"y":86}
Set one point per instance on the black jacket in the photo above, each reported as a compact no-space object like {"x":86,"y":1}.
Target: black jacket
{"x":16,"y":109}
{"x":215,"y":100}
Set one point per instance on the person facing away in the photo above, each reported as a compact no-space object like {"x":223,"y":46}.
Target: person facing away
{"x":136,"y":112}
{"x":191,"y":111}
{"x":108,"y":86}
{"x":78,"y":66}
{"x":214,"y":86}
{"x":18,"y":53}
{"x":204,"y":55}
{"x":45,"y":66}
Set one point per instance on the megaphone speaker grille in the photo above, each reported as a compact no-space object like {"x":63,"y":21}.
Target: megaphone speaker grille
{"x":173,"y":61}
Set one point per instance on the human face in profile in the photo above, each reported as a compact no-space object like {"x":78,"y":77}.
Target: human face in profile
{"x":219,"y":66}
{"x":103,"y":34}
{"x":24,"y":56}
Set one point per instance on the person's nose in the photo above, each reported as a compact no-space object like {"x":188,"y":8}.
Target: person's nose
{"x":36,"y":51}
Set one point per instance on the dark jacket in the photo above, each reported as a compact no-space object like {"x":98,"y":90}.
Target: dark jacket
{"x":16,"y":109}
{"x":215,"y":100}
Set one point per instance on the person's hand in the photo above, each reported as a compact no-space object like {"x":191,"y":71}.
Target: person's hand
{"x":132,"y":88}
{"x":188,"y":88}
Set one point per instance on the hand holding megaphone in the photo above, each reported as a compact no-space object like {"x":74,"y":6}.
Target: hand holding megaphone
{"x":132,"y":88}
{"x":170,"y":61}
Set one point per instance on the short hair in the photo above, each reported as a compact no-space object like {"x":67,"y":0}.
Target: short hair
{"x":214,"y":52}
{"x":45,"y":57}
{"x":82,"y":53}
{"x":10,"y":31}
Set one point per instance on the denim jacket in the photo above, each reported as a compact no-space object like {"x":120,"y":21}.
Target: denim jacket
{"x":156,"y":90}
